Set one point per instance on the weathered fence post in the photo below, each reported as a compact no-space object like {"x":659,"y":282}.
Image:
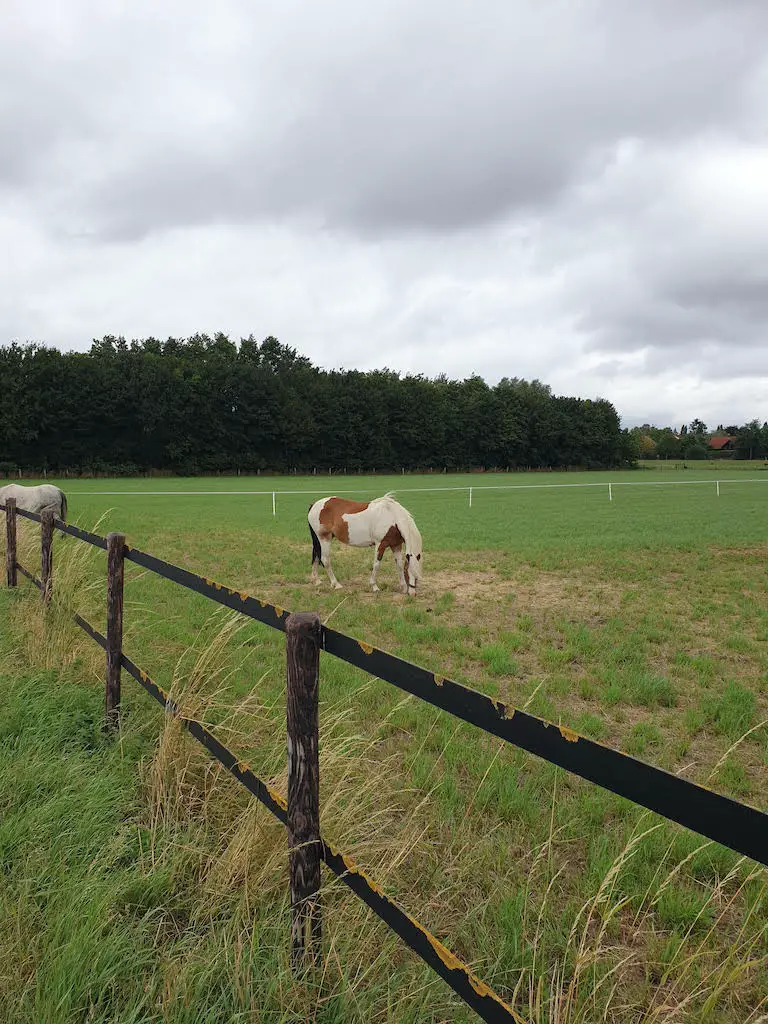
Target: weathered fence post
{"x":115,"y":574}
{"x":10,"y":542}
{"x":303,"y":633}
{"x":46,"y":554}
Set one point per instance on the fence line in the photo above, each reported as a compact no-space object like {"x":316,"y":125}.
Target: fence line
{"x":428,"y":490}
{"x":735,"y":825}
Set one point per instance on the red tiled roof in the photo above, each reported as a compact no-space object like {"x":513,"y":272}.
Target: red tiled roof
{"x":719,"y":442}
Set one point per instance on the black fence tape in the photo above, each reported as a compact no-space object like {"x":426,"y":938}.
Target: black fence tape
{"x":30,"y":576}
{"x":738,"y":826}
{"x":28,"y":515}
{"x":270,"y":614}
{"x":475,"y":993}
{"x":62,"y":527}
{"x":75,"y":531}
{"x":268,"y":796}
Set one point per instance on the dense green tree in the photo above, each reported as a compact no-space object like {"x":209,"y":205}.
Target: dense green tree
{"x":208,"y":404}
{"x":694,"y":447}
{"x":668,"y":445}
{"x":630,"y":448}
{"x":752,"y":441}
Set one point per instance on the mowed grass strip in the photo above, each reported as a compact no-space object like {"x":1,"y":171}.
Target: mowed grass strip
{"x":640,"y":622}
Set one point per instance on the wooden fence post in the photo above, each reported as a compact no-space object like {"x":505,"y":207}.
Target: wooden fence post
{"x":303,"y":632}
{"x":115,"y":574}
{"x":46,"y":554}
{"x":10,"y":542}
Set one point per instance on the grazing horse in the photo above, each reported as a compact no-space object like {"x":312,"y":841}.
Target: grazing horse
{"x":382,"y":523}
{"x":37,"y":499}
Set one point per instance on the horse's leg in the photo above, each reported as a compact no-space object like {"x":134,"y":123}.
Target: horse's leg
{"x":378,"y":554}
{"x":315,"y":555}
{"x":398,"y":553}
{"x":325,"y":551}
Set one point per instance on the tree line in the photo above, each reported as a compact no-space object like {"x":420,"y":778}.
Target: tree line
{"x":207,"y":404}
{"x":749,"y":441}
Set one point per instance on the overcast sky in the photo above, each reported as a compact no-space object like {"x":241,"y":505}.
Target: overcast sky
{"x":574,"y":190}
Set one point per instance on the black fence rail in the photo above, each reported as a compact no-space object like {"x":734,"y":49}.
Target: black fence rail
{"x":29,"y":575}
{"x":736,"y":825}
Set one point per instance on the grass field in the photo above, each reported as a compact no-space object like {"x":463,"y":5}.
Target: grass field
{"x":642,"y":622}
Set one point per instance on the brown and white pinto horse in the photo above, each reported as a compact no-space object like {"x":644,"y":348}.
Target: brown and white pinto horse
{"x":382,"y":523}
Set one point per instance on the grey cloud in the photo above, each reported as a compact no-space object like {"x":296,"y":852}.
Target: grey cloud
{"x":670,"y":328}
{"x":676,"y":253}
{"x":431,"y":118}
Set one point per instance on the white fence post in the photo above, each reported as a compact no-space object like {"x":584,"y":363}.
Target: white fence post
{"x":610,"y":493}
{"x":470,"y":497}
{"x":274,"y":513}
{"x":717,"y":482}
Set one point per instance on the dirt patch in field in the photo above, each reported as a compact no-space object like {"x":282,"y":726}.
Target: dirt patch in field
{"x":466,"y":586}
{"x":754,"y":553}
{"x":545,"y":592}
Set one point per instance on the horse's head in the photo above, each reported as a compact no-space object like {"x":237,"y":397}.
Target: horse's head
{"x":412,"y":570}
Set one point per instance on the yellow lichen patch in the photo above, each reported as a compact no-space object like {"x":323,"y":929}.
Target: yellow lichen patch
{"x":449,"y":959}
{"x":569,"y":734}
{"x":365,"y":648}
{"x":439,"y":679}
{"x":453,"y":963}
{"x":242,"y":595}
{"x":242,"y":767}
{"x":352,"y":866}
{"x":278,"y":611}
{"x":278,"y":798}
{"x":505,"y":712}
{"x":143,"y":676}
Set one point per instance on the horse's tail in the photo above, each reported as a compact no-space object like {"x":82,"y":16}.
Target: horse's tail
{"x":316,"y":550}
{"x":63,"y":506}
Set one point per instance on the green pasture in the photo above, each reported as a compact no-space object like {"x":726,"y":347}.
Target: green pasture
{"x":640,"y":621}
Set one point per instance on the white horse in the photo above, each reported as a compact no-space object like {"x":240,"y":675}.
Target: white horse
{"x":382,"y":523}
{"x":37,"y":499}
